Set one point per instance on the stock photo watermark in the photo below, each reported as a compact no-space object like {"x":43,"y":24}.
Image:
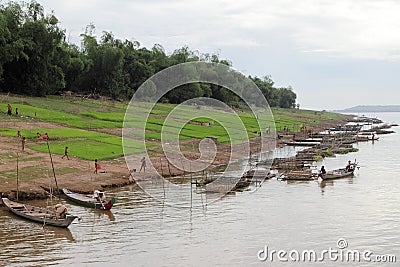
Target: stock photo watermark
{"x":176,"y":127}
{"x":340,"y":253}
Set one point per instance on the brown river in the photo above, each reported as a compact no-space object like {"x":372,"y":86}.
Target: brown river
{"x":348,"y":215}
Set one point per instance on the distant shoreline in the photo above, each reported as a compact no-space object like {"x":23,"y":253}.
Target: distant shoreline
{"x":364,"y":109}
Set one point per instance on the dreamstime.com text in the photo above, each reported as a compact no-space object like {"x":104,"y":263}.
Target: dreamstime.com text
{"x":339,"y":254}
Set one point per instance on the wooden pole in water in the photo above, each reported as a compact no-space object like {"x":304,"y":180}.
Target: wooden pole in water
{"x":17,"y":175}
{"x":52,"y":165}
{"x":162,"y":177}
{"x":169,"y":169}
{"x":162,"y":171}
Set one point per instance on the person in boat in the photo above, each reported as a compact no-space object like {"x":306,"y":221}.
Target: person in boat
{"x":322,"y":172}
{"x":99,"y":196}
{"x":61,"y":211}
{"x":348,"y":166}
{"x":65,"y":153}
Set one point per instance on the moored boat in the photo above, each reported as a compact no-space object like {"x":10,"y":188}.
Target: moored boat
{"x":309,"y":144}
{"x":257,"y":173}
{"x":337,"y":174}
{"x":40,"y":215}
{"x":299,"y":175}
{"x":97,"y":201}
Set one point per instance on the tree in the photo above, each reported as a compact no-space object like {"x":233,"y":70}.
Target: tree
{"x":32,"y":65}
{"x":36,"y":60}
{"x":286,"y":97}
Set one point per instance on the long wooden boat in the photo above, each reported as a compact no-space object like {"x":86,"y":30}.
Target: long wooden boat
{"x":310,"y":144}
{"x":298,"y":175}
{"x":257,"y":173}
{"x":337,"y":174}
{"x":88,"y":201}
{"x":37,"y":214}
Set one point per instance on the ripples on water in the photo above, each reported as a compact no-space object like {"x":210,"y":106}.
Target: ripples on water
{"x":141,"y":231}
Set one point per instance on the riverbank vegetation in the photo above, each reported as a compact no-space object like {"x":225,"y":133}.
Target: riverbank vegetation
{"x":93,"y":128}
{"x":36,"y":60}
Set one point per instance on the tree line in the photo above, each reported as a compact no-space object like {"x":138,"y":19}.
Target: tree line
{"x":36,"y":60}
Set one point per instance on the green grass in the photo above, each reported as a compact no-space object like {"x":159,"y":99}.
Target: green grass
{"x":85,"y":116}
{"x":67,"y":105}
{"x":294,"y":118}
{"x":59,"y":117}
{"x":84,"y":149}
{"x":85,"y":144}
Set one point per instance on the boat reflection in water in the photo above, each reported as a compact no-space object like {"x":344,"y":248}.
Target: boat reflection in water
{"x":107,"y":213}
{"x":58,"y":233}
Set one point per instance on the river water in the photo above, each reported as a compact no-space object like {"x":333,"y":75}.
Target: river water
{"x":140,"y":231}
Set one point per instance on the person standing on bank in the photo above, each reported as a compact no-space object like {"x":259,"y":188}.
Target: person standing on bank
{"x":65,"y":153}
{"x":96,"y":166}
{"x":143,"y":161}
{"x":23,"y":141}
{"x":9,"y":109}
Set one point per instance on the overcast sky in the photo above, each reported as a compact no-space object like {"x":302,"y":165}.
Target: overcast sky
{"x":334,"y":53}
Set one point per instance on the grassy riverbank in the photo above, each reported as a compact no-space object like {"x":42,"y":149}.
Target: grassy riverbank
{"x":93,"y":130}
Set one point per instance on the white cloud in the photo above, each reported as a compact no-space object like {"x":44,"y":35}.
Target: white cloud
{"x":341,"y":28}
{"x":309,"y":44}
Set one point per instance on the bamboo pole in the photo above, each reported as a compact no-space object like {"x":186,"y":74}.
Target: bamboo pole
{"x":169,"y":168}
{"x":17,"y":175}
{"x":52,"y":165}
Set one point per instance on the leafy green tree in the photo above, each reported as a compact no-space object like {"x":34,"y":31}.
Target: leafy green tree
{"x":32,"y":67}
{"x":286,"y":98}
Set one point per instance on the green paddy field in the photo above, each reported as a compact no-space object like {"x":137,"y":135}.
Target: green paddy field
{"x":92,"y":128}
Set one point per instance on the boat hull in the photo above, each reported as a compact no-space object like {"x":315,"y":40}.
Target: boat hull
{"x":87,"y":201}
{"x":332,"y":176}
{"x":37,"y":214}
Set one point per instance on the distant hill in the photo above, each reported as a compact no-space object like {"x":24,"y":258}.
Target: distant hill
{"x":357,"y":109}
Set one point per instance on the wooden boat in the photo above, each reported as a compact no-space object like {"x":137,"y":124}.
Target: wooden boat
{"x":306,"y":175}
{"x":257,"y":173}
{"x":337,"y":174}
{"x":310,"y":144}
{"x":362,"y":138}
{"x":242,"y":184}
{"x":37,"y":214}
{"x":96,"y":202}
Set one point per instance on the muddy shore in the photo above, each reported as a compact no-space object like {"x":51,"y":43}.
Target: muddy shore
{"x":36,"y":173}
